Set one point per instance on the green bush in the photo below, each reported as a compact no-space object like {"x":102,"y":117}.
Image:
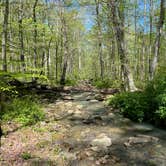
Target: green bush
{"x":102,"y":83}
{"x":26,"y":156}
{"x":149,"y":105}
{"x":156,"y":95}
{"x":131,"y":104}
{"x":70,"y":82}
{"x":24,"y":110}
{"x":161,"y":111}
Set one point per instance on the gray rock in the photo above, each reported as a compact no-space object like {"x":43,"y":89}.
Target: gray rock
{"x":101,"y":142}
{"x":94,"y":101}
{"x":143,"y":127}
{"x":99,"y":97}
{"x":141,"y":139}
{"x":69,"y":156}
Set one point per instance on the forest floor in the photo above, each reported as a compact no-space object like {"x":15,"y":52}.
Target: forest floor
{"x":80,"y":130}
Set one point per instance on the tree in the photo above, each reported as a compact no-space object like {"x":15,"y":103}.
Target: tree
{"x":21,"y":39}
{"x":4,"y":35}
{"x":157,"y":40}
{"x":35,"y":33}
{"x":99,"y":34}
{"x":117,"y":18}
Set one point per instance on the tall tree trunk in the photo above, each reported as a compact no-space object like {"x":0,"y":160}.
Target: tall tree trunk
{"x":66,"y":52}
{"x":22,"y":59}
{"x":157,"y":41}
{"x":150,"y":34}
{"x":118,"y":25}
{"x":136,"y":61}
{"x":99,"y":40}
{"x":56,"y":60}
{"x":35,"y":33}
{"x":4,"y":35}
{"x":48,"y":58}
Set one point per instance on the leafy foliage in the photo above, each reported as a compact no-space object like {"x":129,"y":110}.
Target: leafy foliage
{"x":5,"y":87}
{"x":24,"y":110}
{"x":149,"y":105}
{"x":132,"y":104}
{"x":70,"y":82}
{"x":26,"y":155}
{"x":102,"y":83}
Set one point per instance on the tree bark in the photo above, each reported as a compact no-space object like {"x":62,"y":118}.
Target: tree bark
{"x":22,"y":59}
{"x":118,"y":26}
{"x":65,"y":54}
{"x":157,"y":41}
{"x":100,"y":52}
{"x":4,"y":36}
{"x":35,"y":33}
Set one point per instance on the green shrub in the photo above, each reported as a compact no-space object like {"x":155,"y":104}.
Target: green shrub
{"x":149,"y":105}
{"x":5,"y":88}
{"x":102,"y":83}
{"x":131,"y":104}
{"x":70,"y":82}
{"x":26,"y":155}
{"x":23,"y":110}
{"x":161,"y":111}
{"x":156,"y":95}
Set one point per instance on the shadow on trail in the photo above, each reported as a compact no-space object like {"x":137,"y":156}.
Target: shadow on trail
{"x":85,"y":119}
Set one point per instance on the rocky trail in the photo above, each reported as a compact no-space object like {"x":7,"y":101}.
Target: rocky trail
{"x":80,"y":130}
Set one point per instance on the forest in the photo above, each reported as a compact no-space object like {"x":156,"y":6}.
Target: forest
{"x":82,"y":82}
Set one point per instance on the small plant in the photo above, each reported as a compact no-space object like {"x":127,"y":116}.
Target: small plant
{"x":102,"y":83}
{"x":23,"y":110}
{"x":131,"y":104}
{"x":70,"y":82}
{"x":26,"y":156}
{"x":149,"y":105}
{"x":57,"y":150}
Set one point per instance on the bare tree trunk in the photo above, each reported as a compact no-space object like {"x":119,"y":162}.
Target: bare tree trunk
{"x":66,"y":52}
{"x":35,"y":33}
{"x":4,"y":35}
{"x":56,"y":61}
{"x":118,"y":25}
{"x":99,"y":41}
{"x":22,"y":59}
{"x":157,"y":41}
{"x":150,"y":35}
{"x":48,"y":58}
{"x":136,"y":60}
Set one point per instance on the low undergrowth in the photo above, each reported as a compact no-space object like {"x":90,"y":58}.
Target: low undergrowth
{"x":25,"y":110}
{"x":148,"y":105}
{"x":16,"y":105}
{"x":106,"y":83}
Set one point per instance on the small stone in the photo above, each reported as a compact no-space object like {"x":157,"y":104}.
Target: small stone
{"x":95,"y":148}
{"x":140,"y":139}
{"x":88,"y":98}
{"x":43,"y":123}
{"x":94,"y":101}
{"x":97,"y":162}
{"x":102,"y":142}
{"x":70,"y":111}
{"x":99,"y":97}
{"x":69,"y":156}
{"x":69,"y":104}
{"x":143,"y":127}
{"x":91,"y":158}
{"x":112,"y":115}
{"x":79,"y":106}
{"x":78,"y":112}
{"x":67,"y":98}
{"x":89,"y":153}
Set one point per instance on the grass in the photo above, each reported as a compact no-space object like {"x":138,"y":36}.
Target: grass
{"x":25,"y":110}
